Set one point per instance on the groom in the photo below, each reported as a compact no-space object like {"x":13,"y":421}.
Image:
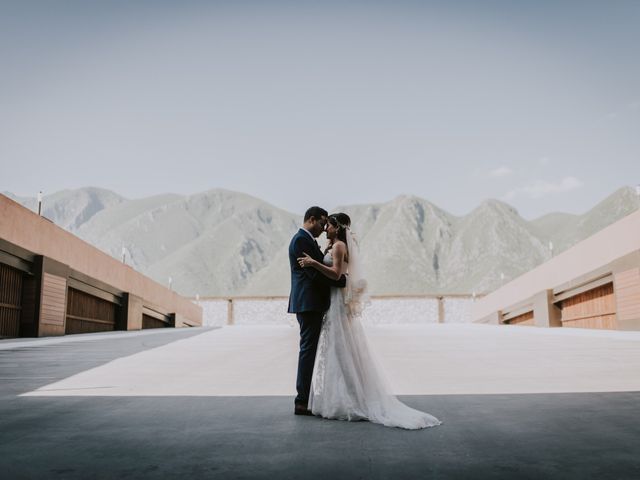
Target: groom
{"x":309,"y":299}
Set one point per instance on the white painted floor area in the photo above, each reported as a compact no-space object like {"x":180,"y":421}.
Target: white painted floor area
{"x":417,"y":359}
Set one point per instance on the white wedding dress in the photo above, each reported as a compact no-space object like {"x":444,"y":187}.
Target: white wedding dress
{"x":347,"y":383}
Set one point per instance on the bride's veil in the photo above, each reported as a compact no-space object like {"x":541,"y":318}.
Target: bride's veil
{"x":356,"y":293}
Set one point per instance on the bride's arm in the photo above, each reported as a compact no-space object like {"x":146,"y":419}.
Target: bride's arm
{"x":334,"y":272}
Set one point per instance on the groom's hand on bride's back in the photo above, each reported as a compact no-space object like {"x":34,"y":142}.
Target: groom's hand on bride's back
{"x":340,"y":283}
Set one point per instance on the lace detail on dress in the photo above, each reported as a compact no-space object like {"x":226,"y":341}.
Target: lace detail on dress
{"x":319,"y":367}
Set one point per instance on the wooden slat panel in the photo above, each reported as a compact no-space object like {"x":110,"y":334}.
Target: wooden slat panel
{"x":94,"y":320}
{"x":11,"y":281}
{"x":51,"y":279}
{"x":592,"y":309}
{"x":51,"y":320}
{"x":94,"y":290}
{"x":628,"y":294}
{"x":560,"y":295}
{"x":627,"y":282}
{"x":52,"y":314}
{"x":628,"y":275}
{"x":568,"y":318}
{"x":526,"y":319}
{"x":602,"y":322}
{"x":629,"y":301}
{"x":54,"y":291}
{"x":633,"y":273}
{"x":82,"y":326}
{"x":28,"y":320}
{"x":52,"y":307}
{"x":151,"y":322}
{"x":87,"y":313}
{"x":633,"y":290}
{"x":53,"y":303}
{"x":53,"y":288}
{"x":629,"y":310}
{"x":52,"y":300}
{"x":154,"y":314}
{"x":524,"y":323}
{"x":9,"y":306}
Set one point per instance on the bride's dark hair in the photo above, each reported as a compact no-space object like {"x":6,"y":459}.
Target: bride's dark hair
{"x":341,"y":221}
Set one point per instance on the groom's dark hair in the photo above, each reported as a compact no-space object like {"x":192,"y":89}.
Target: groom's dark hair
{"x":315,"y":212}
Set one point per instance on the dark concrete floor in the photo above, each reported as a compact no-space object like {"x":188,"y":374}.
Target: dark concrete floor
{"x":541,"y":436}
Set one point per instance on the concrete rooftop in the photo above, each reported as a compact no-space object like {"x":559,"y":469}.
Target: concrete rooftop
{"x":516,"y":402}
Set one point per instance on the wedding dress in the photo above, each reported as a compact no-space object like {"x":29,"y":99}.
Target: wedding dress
{"x":347,"y":382}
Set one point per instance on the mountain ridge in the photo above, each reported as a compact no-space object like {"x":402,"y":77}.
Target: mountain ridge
{"x":221,"y":242}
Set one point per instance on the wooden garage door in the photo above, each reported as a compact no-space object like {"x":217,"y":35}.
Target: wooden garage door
{"x":151,"y":322}
{"x":10,"y":304}
{"x":86,"y":313}
{"x":526,"y":319}
{"x":592,"y":309}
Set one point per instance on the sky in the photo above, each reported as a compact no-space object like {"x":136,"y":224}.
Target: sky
{"x":330,"y":103}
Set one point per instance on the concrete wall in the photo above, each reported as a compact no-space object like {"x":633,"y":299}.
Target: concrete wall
{"x":384,"y":310}
{"x":22,"y":227}
{"x":626,"y":283}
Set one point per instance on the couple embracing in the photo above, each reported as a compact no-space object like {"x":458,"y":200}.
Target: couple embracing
{"x":338,"y":376}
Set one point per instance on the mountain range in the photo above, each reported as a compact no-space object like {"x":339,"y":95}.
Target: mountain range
{"x":219,"y":242}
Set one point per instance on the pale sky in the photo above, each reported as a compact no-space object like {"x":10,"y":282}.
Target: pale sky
{"x":331,"y":103}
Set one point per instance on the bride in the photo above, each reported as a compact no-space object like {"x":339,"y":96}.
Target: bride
{"x":347,"y":383}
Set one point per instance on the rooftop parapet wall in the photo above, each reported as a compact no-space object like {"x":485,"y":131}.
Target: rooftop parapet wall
{"x":608,"y":245}
{"x":21,"y":226}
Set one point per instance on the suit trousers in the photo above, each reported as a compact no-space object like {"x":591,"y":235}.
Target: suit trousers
{"x":310,"y":325}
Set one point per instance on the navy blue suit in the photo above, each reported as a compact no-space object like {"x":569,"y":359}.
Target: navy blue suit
{"x":309,"y":299}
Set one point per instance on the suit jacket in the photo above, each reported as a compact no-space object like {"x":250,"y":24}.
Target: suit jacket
{"x":310,"y":289}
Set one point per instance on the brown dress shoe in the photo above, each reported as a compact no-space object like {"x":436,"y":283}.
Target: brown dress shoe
{"x":302,"y":410}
